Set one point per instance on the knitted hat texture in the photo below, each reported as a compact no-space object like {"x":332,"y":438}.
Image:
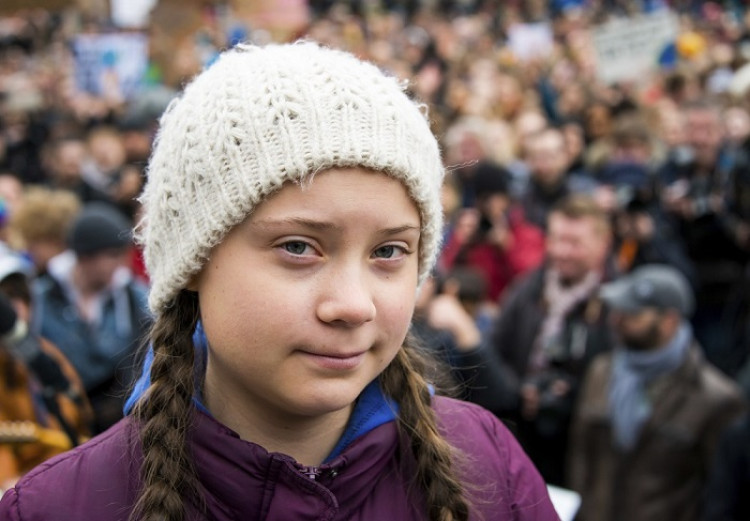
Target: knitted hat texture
{"x":263,"y":116}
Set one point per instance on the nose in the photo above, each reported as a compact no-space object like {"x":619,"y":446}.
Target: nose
{"x":346,"y":300}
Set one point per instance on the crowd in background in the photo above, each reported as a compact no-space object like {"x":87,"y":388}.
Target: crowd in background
{"x":557,"y":183}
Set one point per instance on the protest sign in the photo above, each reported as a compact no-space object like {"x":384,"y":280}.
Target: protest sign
{"x":530,"y":41}
{"x":629,"y":48}
{"x":104,"y":62}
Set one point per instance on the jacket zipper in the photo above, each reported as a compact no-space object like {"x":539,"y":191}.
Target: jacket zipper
{"x":314,"y":473}
{"x":311,"y":472}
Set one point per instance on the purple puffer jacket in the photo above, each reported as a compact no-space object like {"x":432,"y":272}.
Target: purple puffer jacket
{"x":242,"y":481}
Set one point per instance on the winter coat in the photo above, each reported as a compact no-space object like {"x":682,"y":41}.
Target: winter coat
{"x":102,"y":353}
{"x":664,"y":475}
{"x":498,"y":266}
{"x":52,"y":406}
{"x":368,"y":480}
{"x":585,"y":333}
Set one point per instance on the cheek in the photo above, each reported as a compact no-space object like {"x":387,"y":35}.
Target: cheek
{"x":395,"y":315}
{"x":596,"y":251}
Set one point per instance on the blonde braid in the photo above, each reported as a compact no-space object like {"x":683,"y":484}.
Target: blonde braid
{"x":403,"y":381}
{"x":164,"y":415}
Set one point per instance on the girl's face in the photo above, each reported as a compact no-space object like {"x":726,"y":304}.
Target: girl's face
{"x":310,"y":298}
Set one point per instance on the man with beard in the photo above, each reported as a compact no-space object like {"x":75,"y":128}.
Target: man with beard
{"x":650,"y":412}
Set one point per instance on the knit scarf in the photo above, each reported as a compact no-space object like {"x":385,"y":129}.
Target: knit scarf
{"x":560,"y":300}
{"x":632,"y":371}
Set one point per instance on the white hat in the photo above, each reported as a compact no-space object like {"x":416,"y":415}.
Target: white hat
{"x":13,"y":262}
{"x":260,"y":117}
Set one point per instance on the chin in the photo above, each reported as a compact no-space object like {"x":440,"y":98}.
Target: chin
{"x":325,"y":401}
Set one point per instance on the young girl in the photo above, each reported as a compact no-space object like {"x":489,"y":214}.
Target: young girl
{"x":291,"y":211}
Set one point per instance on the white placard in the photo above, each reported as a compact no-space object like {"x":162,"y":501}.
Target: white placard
{"x":530,"y":41}
{"x":628,"y":48}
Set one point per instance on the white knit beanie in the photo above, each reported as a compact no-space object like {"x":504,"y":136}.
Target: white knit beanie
{"x":263,"y":116}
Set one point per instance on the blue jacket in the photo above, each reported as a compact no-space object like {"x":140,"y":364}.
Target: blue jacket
{"x":97,"y":352}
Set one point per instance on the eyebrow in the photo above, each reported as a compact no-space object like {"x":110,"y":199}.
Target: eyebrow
{"x":326,"y":226}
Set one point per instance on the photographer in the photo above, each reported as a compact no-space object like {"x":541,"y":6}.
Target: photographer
{"x":552,"y":324}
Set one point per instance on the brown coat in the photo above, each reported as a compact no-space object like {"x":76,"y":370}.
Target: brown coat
{"x":663,"y":477}
{"x":19,"y":402}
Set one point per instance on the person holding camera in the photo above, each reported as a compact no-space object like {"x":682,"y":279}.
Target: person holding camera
{"x":551,"y":324}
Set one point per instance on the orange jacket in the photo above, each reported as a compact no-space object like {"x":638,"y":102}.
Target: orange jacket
{"x":41,"y":436}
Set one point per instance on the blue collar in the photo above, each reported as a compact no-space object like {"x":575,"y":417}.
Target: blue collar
{"x":372,"y":409}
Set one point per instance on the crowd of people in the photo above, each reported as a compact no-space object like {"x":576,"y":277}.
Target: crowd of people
{"x":592,"y":288}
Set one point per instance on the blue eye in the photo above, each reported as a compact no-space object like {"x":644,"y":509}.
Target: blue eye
{"x":388,"y":252}
{"x":295,"y":247}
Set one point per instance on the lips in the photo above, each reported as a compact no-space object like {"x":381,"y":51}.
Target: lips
{"x":334,"y":361}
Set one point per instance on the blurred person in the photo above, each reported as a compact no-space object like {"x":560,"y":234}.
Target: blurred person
{"x":552,"y":324}
{"x":466,"y":147}
{"x":469,"y":287}
{"x":502,"y":245}
{"x":704,"y":134}
{"x":137,"y":135}
{"x":700,"y":199}
{"x":547,"y":157}
{"x":571,"y":101}
{"x":737,"y":124}
{"x":39,"y":386}
{"x":21,"y":140}
{"x":642,"y":237}
{"x":575,"y":143}
{"x":105,"y":157}
{"x":630,"y":142}
{"x":107,"y":169}
{"x":598,"y":121}
{"x":11,"y":193}
{"x":92,"y":308}
{"x":448,"y":320}
{"x":509,"y":96}
{"x":65,"y":165}
{"x":529,"y":122}
{"x":649,"y":413}
{"x":42,"y":222}
{"x":681,"y":87}
{"x":672,"y":135}
{"x":625,"y":166}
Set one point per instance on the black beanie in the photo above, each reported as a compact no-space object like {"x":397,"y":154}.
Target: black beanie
{"x":490,"y":179}
{"x":99,"y":227}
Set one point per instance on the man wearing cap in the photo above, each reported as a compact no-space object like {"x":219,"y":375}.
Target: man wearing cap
{"x":650,"y":412}
{"x":93,"y":309}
